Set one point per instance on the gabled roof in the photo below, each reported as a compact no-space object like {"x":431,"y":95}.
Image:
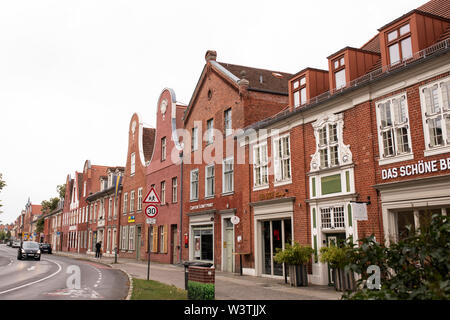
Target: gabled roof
{"x":372,"y":45}
{"x":274,"y":82}
{"x":439,"y":8}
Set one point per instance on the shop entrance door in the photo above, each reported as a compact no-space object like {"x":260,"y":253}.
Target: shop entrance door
{"x":228,"y":245}
{"x":333,"y":239}
{"x":275,"y":234}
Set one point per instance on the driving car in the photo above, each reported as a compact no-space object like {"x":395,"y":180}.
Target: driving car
{"x":16,"y":244}
{"x":29,"y":249}
{"x":45,"y":247}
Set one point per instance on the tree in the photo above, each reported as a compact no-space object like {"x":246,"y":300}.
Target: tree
{"x":49,"y":205}
{"x":61,"y":190}
{"x":40,"y":225}
{"x":2,"y":185}
{"x":415,"y":268}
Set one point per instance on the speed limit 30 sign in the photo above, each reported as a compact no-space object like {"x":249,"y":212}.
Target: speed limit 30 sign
{"x":151,"y":211}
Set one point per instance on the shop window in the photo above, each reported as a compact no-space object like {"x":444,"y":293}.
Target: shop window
{"x":203,"y":243}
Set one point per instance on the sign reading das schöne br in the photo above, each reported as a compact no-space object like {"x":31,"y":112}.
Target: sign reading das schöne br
{"x":421,"y":167}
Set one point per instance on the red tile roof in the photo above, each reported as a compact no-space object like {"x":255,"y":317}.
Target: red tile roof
{"x":148,"y":141}
{"x":439,"y":8}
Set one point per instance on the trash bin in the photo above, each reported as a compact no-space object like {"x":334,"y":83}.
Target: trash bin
{"x":188,"y":264}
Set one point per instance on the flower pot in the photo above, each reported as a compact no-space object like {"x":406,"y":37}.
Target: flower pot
{"x":298,"y":275}
{"x":344,"y":281}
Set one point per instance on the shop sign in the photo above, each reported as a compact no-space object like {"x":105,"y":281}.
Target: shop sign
{"x":271,"y":195}
{"x":131,"y":219}
{"x":421,"y":167}
{"x":201,"y":206}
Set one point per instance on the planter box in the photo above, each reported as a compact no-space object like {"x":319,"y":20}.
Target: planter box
{"x":298,"y":275}
{"x":344,"y":281}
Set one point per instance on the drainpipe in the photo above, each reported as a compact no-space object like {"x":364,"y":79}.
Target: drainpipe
{"x":181,"y":207}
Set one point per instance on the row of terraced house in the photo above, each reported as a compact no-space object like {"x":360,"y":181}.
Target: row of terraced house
{"x":260,"y":158}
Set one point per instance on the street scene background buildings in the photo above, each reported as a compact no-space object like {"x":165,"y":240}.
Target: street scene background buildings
{"x":360,"y":148}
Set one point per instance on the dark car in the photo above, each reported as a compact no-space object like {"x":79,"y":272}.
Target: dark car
{"x":29,"y":249}
{"x":45,"y":247}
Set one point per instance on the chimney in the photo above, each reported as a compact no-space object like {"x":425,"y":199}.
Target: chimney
{"x":243,"y":84}
{"x":210,"y":55}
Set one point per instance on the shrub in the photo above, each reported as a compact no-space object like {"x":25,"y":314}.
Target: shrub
{"x":294,"y":254}
{"x":200,"y":291}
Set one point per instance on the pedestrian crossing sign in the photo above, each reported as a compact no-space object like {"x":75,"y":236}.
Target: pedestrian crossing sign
{"x":152,"y":197}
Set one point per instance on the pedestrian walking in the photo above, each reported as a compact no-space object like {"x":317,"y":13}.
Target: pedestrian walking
{"x":98,"y":248}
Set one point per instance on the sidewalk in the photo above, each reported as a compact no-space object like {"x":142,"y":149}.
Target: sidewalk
{"x":229,"y":286}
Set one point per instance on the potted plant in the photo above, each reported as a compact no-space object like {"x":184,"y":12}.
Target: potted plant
{"x":296,"y":257}
{"x":339,"y":259}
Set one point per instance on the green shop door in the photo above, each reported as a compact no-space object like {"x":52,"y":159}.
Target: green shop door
{"x":332,"y":240}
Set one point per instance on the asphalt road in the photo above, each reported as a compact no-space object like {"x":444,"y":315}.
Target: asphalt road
{"x":56,"y":278}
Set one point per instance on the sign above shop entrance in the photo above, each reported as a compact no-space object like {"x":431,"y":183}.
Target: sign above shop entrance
{"x":421,"y":167}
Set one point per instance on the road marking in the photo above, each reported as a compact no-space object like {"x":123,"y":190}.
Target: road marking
{"x":34,"y":282}
{"x":31,"y":268}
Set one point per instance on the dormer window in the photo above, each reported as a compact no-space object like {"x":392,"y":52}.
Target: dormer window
{"x":299,"y":91}
{"x":339,"y":72}
{"x":399,"y":44}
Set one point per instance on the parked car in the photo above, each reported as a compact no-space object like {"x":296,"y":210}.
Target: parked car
{"x":45,"y":247}
{"x":29,"y":249}
{"x":16,"y":244}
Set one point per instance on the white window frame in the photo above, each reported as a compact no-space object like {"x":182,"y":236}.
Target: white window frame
{"x":125,"y":203}
{"x":225,"y":162}
{"x":175,"y":190}
{"x":132,"y":197}
{"x":194,"y":139}
{"x":327,"y":145}
{"x":261,"y":162}
{"x":163,"y":148}
{"x":209,"y":131}
{"x":132,"y":164}
{"x":213,"y":177}
{"x":282,"y":165}
{"x":333,"y":217}
{"x":443,"y":113}
{"x":163,"y":192}
{"x":228,"y":127}
{"x":197,"y":187}
{"x":139,"y":203}
{"x":110,"y":204}
{"x":131,"y":238}
{"x":393,"y":128}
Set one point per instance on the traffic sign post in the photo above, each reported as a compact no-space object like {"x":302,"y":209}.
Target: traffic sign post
{"x":151,"y":211}
{"x":152,"y":197}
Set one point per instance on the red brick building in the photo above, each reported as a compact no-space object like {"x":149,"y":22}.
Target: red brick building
{"x":164,"y":174}
{"x":133,"y":231}
{"x":377,"y":133}
{"x":215,"y":181}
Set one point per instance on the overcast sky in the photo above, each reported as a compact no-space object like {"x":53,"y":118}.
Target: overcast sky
{"x":72,"y":73}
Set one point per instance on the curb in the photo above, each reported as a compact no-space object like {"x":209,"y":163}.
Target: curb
{"x":130,"y":279}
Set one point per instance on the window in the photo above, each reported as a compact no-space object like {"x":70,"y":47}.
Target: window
{"x":162,"y":238}
{"x":209,"y":181}
{"x":110,"y":207}
{"x":125,"y":202}
{"x":228,"y":175}
{"x":124,"y":238}
{"x":393,"y":126}
{"x":209,"y":131}
{"x":133,"y":163}
{"x":163,"y":148}
{"x":399,"y":44}
{"x":328,"y":146}
{"x":282,"y":159}
{"x":194,"y":184}
{"x":174,"y":190}
{"x":203,"y":244}
{"x":299,"y":91}
{"x":435,"y":104}
{"x":163,"y":192}
{"x":84,"y":189}
{"x":227,"y":122}
{"x":339,"y":72}
{"x":260,"y":165}
{"x":132,"y":201}
{"x":139,"y":204}
{"x":333,"y":217}
{"x":116,"y":203}
{"x":194,"y":139}
{"x":131,"y":238}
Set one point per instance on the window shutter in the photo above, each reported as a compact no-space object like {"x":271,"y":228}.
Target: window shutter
{"x":155,"y":239}
{"x":445,"y":91}
{"x":276,"y":160}
{"x":165,"y":239}
{"x":428,"y":102}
